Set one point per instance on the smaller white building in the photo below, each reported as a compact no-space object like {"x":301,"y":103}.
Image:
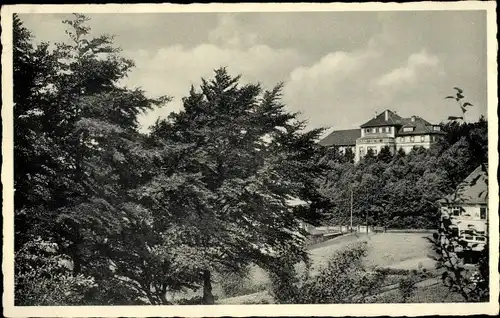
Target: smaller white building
{"x":467,"y":208}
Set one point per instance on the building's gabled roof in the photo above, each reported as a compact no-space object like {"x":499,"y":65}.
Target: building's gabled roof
{"x":420,"y":125}
{"x":341,"y":138}
{"x":380,"y":120}
{"x":473,"y":190}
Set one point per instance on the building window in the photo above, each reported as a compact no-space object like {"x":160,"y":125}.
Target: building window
{"x":401,"y":139}
{"x":408,"y":129}
{"x":422,"y":138}
{"x":389,"y":129}
{"x":367,"y":130}
{"x":407,"y":139}
{"x":437,"y":128}
{"x":455,"y":211}
{"x":412,"y":139}
{"x":376,"y":130}
{"x":480,"y":239}
{"x":483,"y":213}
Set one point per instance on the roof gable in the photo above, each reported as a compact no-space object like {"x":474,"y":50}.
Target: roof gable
{"x":473,"y":190}
{"x":341,"y":138}
{"x":380,"y":120}
{"x":419,"y":125}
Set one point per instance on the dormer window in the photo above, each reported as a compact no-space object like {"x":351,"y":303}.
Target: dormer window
{"x":407,"y":129}
{"x":437,"y":128}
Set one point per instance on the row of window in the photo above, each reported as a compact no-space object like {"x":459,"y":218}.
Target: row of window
{"x":379,"y":130}
{"x":412,"y":138}
{"x":368,"y":141}
{"x":457,"y":211}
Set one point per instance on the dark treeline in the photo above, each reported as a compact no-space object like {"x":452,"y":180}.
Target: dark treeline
{"x":400,"y":190}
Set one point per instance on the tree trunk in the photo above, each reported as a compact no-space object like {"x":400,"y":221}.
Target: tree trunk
{"x":208,"y":297}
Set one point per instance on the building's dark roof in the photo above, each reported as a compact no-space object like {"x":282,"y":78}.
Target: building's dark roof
{"x":341,"y":138}
{"x":420,"y":125}
{"x":473,"y":190}
{"x":379,"y":120}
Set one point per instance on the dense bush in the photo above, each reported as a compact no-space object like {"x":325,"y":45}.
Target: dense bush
{"x":45,"y":278}
{"x":343,"y":280}
{"x":407,"y":286}
{"x":239,"y":283}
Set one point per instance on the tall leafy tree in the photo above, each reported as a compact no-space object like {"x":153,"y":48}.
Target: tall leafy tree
{"x":230,"y":163}
{"x":77,"y":140}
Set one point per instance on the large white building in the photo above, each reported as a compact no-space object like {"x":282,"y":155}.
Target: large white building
{"x":387,"y":129}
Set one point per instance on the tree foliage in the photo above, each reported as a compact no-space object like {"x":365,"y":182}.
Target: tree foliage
{"x":239,"y":157}
{"x":75,"y":139}
{"x":143,"y":216}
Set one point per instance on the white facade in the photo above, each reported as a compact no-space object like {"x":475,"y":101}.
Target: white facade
{"x":413,"y":132}
{"x":469,"y":220}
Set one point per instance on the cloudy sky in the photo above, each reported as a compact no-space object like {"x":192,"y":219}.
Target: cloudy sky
{"x":339,"y":68}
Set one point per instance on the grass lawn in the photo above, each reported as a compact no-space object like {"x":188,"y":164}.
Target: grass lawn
{"x":430,"y":294}
{"x":394,"y":250}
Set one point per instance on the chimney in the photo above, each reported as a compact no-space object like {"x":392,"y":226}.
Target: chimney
{"x":412,"y":118}
{"x":386,"y":115}
{"x":376,"y":114}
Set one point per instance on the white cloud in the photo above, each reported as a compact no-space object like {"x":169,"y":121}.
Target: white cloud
{"x":172,"y":70}
{"x":326,"y":59}
{"x":331,"y":86}
{"x":228,"y":33}
{"x":409,"y":72}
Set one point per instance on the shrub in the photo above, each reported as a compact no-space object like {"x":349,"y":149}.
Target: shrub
{"x":392,"y":271}
{"x":284,"y":286}
{"x":44,"y":278}
{"x":343,"y":280}
{"x":235,"y":284}
{"x":407,"y":287}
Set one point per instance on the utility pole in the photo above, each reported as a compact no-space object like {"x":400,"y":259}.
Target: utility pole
{"x":366,"y":221}
{"x":351,"y":209}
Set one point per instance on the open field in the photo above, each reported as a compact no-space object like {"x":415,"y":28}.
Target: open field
{"x":394,"y":250}
{"x":390,"y":250}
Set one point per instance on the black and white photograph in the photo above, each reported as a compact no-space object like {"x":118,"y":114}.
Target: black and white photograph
{"x":165,"y":158}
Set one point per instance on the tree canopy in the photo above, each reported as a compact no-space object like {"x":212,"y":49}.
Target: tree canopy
{"x":137,"y":216}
